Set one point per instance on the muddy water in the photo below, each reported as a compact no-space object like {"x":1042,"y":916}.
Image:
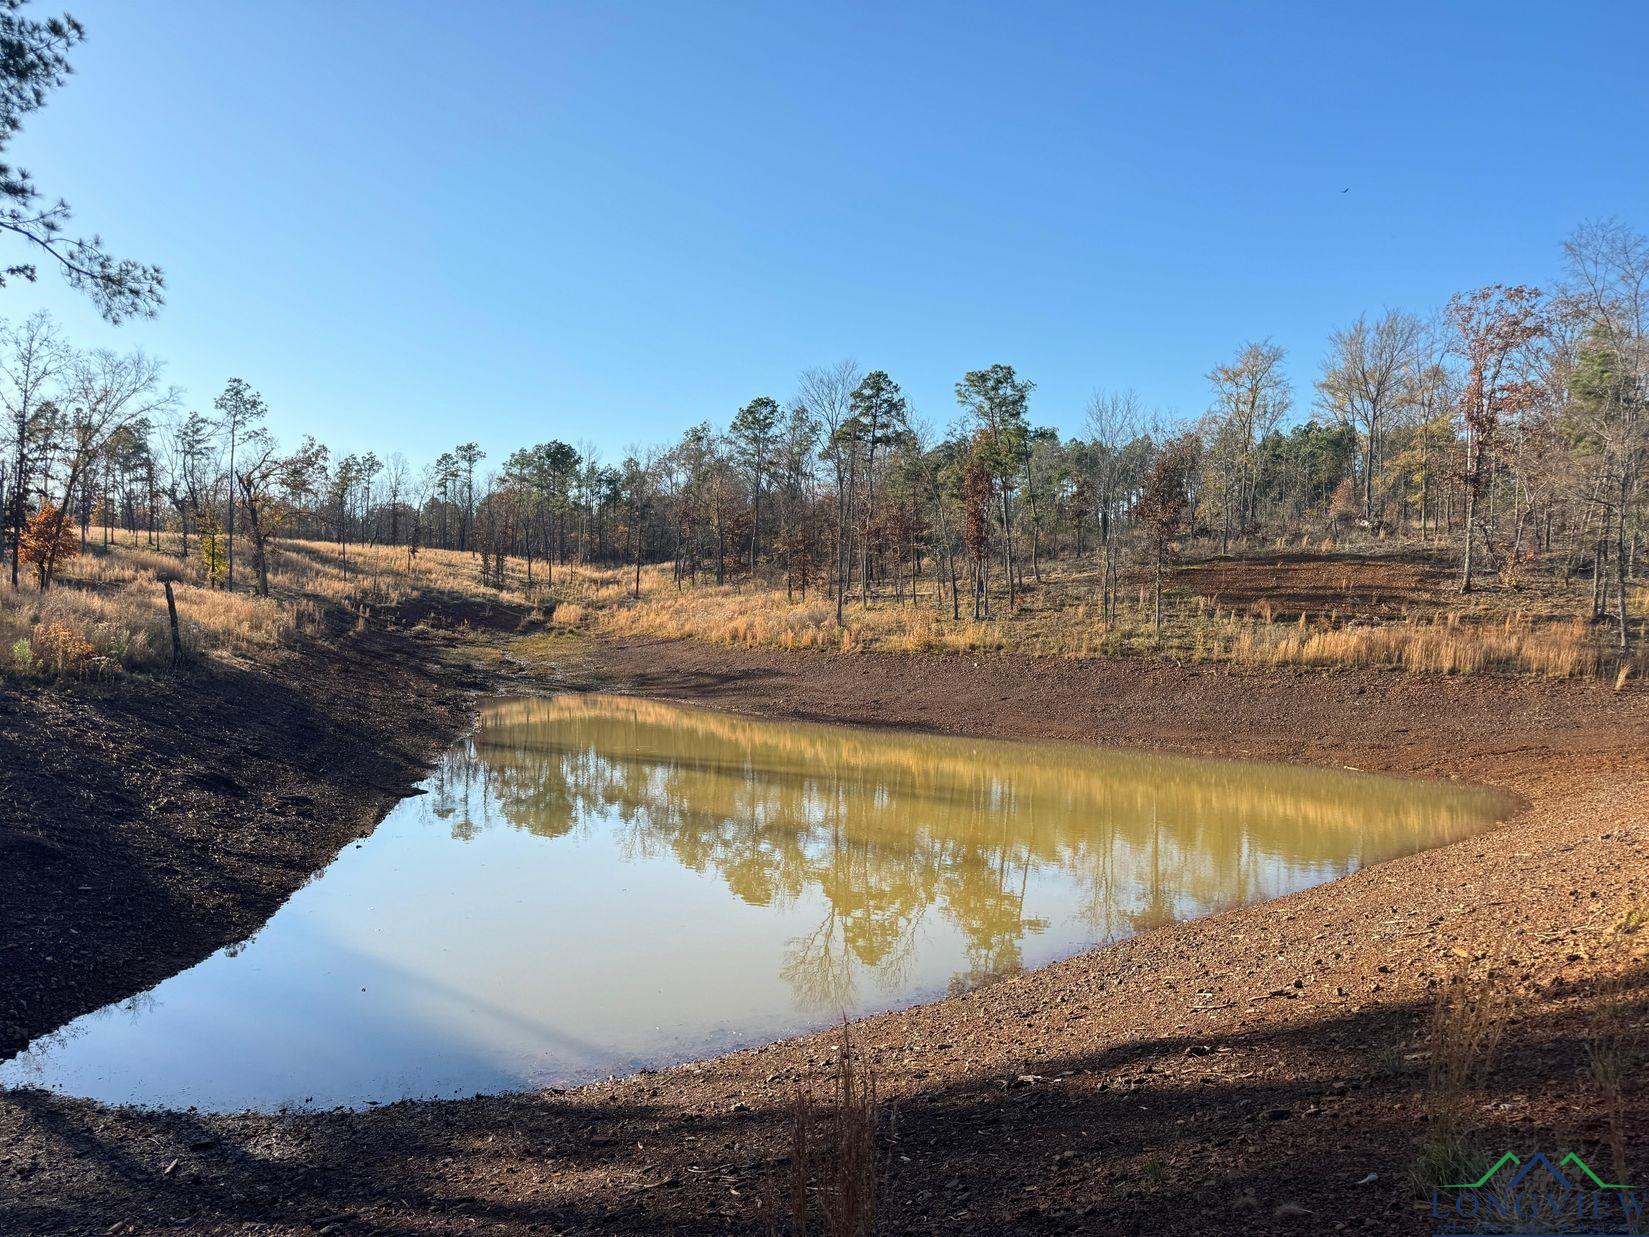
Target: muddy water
{"x":591,"y":884}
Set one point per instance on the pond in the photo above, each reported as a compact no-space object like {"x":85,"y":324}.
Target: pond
{"x":592,"y":884}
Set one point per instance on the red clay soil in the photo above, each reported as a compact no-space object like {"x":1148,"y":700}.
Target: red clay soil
{"x":1258,"y":1070}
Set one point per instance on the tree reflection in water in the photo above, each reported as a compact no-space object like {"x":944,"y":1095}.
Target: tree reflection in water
{"x":886,"y":828}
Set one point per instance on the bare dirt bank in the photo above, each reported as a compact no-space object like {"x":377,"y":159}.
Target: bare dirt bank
{"x":146,"y":822}
{"x":1228,"y":1074}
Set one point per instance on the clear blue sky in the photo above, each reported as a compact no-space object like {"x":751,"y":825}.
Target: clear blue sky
{"x":413,"y":224}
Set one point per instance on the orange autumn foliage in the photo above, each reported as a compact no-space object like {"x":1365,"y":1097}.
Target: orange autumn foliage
{"x":47,"y":541}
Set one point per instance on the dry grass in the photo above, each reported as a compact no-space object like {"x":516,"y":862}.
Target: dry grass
{"x":1068,"y":622}
{"x":1470,"y":1014}
{"x":108,"y":612}
{"x":81,"y":628}
{"x":1468,"y":1020}
{"x":1617,"y":1039}
{"x":834,"y":1176}
{"x":747,"y":616}
{"x":1442,"y":645}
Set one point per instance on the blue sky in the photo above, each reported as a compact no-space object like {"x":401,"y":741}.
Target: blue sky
{"x":413,"y":224}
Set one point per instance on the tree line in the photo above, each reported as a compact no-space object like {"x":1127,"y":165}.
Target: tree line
{"x":1509,"y":424}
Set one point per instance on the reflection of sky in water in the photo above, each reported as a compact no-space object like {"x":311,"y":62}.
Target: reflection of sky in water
{"x":595,"y":883}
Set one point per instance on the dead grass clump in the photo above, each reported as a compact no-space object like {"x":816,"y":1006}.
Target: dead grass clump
{"x":1468,"y":1020}
{"x":1444,"y":645}
{"x":835,"y":1167}
{"x":1617,"y":1034}
{"x":1614,"y":1055}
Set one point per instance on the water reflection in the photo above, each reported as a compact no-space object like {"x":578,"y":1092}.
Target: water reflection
{"x":886,"y":828}
{"x":593,"y":883}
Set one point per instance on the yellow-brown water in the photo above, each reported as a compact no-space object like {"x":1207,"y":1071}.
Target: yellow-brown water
{"x":595,"y":883}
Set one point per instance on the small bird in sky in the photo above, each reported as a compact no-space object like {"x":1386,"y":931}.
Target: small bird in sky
{"x":1347,"y":189}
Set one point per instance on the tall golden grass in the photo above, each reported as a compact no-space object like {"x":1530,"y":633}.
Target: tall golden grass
{"x":1449,"y":642}
{"x":725,"y":615}
{"x":108,"y":612}
{"x":1440,"y":645}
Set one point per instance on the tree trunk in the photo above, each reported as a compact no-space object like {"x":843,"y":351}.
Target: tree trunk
{"x":262,"y":564}
{"x":1007,"y":548}
{"x":1368,"y":475}
{"x":1157,"y":593}
{"x":230,"y":513}
{"x":1620,"y":559}
{"x":843,"y":498}
{"x":1471,"y":522}
{"x":1030,"y":499}
{"x":17,"y":494}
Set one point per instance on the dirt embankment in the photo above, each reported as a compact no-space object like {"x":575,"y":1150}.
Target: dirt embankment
{"x":1253,"y":1071}
{"x":146,"y":822}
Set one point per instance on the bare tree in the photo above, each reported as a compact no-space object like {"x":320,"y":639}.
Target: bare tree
{"x":1367,"y":377}
{"x":1495,"y":329}
{"x":1251,"y":394}
{"x":274,"y":487}
{"x":1609,"y":272}
{"x":1163,"y":503}
{"x":396,"y":473}
{"x":190,"y":448}
{"x":33,"y":359}
{"x":240,"y":408}
{"x":827,"y":394}
{"x":106,"y":392}
{"x":1113,"y":422}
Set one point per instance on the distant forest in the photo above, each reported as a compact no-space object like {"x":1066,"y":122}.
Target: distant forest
{"x":1510,"y":423}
